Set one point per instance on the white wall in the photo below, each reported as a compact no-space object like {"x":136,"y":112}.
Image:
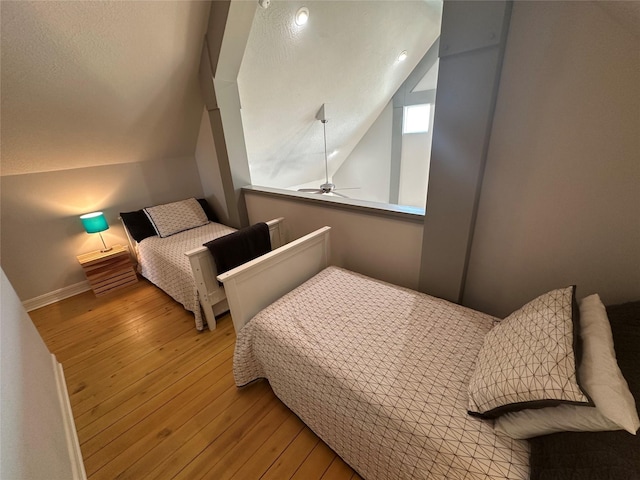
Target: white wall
{"x":41,"y":231}
{"x":414,"y":166}
{"x":34,"y":443}
{"x":381,"y":247}
{"x":369,"y":164}
{"x":560,"y":201}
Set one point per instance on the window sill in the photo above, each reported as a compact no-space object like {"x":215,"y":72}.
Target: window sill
{"x":361,"y":206}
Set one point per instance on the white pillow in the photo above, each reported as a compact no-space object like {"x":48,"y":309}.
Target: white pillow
{"x":175,"y":217}
{"x":601,"y":377}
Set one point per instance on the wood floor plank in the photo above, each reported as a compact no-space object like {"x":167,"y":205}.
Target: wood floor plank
{"x":153,"y":413}
{"x":338,"y":470}
{"x":131,"y":338}
{"x":293,"y":456}
{"x":73,"y":311}
{"x":88,"y":391}
{"x":195,"y":457}
{"x":154,"y":398}
{"x":125,"y":351}
{"x":104,"y":312}
{"x":225,"y":466}
{"x":134,"y":323}
{"x":316,"y":463}
{"x":151,"y":431}
{"x":265,"y":456}
{"x":202,"y":431}
{"x":153,"y":390}
{"x":241,"y":427}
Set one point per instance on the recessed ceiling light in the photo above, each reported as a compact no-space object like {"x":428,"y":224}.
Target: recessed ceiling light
{"x":403,"y":56}
{"x":302,"y":16}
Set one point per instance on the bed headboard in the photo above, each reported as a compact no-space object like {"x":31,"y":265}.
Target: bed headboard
{"x":133,"y":250}
{"x":258,"y":283}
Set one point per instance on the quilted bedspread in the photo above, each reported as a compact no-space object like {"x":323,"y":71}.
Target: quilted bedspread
{"x":380,"y":373}
{"x":163,"y":262}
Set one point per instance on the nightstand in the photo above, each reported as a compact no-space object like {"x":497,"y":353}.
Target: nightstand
{"x":108,"y":271}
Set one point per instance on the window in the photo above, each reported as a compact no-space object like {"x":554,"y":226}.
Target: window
{"x":416,"y":118}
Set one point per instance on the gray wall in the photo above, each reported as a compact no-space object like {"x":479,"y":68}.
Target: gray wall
{"x":41,"y":233}
{"x":560,"y":201}
{"x":382,"y":247}
{"x":33,"y":441}
{"x":474,"y":34}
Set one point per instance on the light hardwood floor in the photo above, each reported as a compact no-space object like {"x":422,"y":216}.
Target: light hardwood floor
{"x":154,"y":398}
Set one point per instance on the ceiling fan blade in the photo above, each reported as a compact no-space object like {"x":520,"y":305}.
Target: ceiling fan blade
{"x":347,"y":188}
{"x":310,"y":190}
{"x":339,"y":194}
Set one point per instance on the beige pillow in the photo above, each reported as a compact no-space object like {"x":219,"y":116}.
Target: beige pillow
{"x":528,"y":360}
{"x":175,"y":217}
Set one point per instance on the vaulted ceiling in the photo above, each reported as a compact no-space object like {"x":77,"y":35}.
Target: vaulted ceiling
{"x":345,"y":56}
{"x":93,"y":83}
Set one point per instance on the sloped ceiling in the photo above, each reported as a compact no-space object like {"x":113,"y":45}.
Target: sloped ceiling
{"x":345,"y":57}
{"x":94,"y":83}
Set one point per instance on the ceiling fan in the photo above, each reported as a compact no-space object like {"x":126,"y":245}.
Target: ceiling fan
{"x":326,"y":187}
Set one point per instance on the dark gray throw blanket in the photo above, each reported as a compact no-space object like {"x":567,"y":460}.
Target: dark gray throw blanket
{"x":239,"y":247}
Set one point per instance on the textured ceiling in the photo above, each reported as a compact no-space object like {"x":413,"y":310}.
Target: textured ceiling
{"x":346,"y":57}
{"x":94,"y":83}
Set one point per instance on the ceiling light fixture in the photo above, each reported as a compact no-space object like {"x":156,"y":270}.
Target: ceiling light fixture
{"x":302,"y":16}
{"x":403,"y":56}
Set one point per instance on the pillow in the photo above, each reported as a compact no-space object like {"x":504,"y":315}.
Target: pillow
{"x":172,"y":218}
{"x":138,"y":225}
{"x":211,"y":215}
{"x":529,"y":359}
{"x":598,"y":455}
{"x":601,"y":377}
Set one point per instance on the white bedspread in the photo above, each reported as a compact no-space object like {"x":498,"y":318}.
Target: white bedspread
{"x":380,"y":373}
{"x":163,"y":262}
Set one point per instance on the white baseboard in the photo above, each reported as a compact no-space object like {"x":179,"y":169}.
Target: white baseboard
{"x":73,"y":445}
{"x":56,"y":295}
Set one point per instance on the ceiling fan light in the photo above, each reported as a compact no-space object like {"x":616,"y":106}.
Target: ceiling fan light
{"x":302,"y":16}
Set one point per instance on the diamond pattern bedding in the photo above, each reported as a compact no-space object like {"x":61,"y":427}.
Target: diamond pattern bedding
{"x":163,"y":262}
{"x":380,"y":373}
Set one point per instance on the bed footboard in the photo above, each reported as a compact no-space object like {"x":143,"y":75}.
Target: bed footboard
{"x":211,"y":294}
{"x":258,"y":283}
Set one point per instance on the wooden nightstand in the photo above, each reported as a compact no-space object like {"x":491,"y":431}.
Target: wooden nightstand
{"x":108,"y":271}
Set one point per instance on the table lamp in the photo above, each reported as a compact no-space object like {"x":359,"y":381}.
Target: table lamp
{"x":95,"y":223}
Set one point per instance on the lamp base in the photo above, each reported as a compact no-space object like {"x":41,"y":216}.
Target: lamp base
{"x":106,"y":249}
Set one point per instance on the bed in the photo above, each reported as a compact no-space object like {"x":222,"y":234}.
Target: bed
{"x":383,"y":374}
{"x":178,"y":263}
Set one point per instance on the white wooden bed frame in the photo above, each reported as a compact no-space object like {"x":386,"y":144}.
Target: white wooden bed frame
{"x":212,"y":295}
{"x":258,"y":283}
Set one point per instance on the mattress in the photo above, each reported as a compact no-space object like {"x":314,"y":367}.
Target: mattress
{"x":380,"y":373}
{"x":163,"y":262}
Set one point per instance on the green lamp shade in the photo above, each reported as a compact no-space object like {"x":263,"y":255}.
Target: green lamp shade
{"x":94,"y":222}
